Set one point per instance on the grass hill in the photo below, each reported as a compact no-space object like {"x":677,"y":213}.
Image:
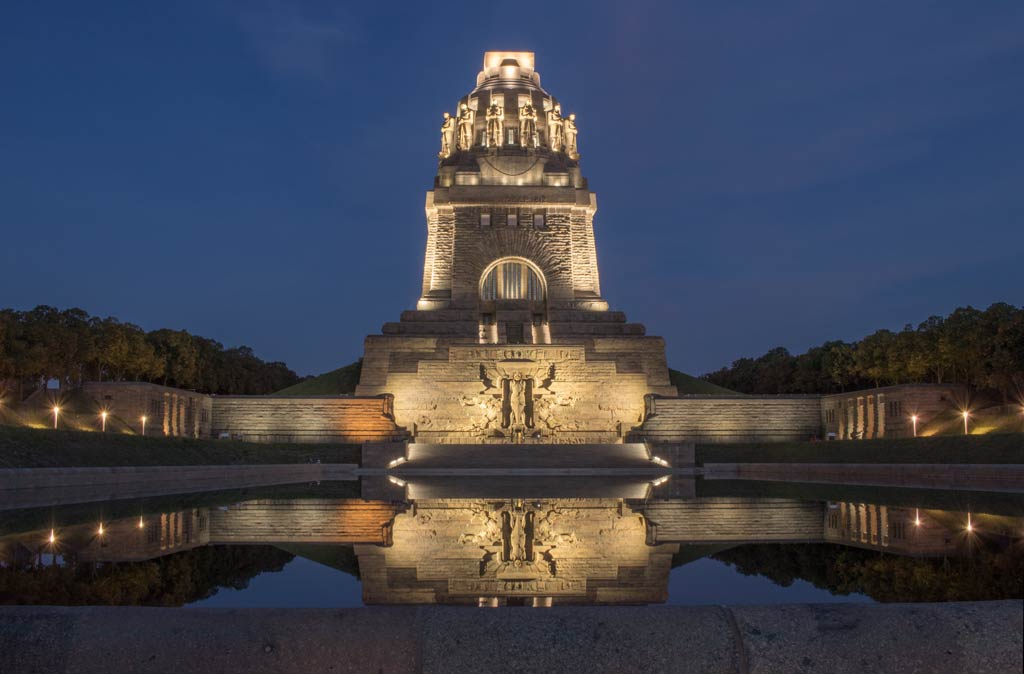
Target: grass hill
{"x":687,"y":384}
{"x":342,"y":380}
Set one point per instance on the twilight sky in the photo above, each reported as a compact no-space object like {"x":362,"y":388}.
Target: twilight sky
{"x":767,"y":173}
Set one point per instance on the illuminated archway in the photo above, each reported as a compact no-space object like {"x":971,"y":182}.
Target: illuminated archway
{"x":513,"y":278}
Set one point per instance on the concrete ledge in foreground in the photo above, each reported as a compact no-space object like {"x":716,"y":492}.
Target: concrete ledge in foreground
{"x":979,"y":637}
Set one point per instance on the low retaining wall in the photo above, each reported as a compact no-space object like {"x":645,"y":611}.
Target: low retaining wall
{"x":722,"y":419}
{"x":988,"y":477}
{"x":33,"y":487}
{"x":977,"y":637}
{"x":309,"y":419}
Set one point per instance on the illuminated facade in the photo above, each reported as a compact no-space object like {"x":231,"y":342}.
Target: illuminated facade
{"x":511,"y":339}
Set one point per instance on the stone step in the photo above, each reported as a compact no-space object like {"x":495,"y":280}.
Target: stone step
{"x":629,"y":455}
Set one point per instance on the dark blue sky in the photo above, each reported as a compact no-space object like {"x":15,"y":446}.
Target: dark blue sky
{"x":767,"y":173}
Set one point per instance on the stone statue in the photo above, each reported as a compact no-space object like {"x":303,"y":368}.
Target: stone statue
{"x":495,"y":124}
{"x":517,"y":401}
{"x":569,"y":135}
{"x":517,"y":537}
{"x":555,"y":141}
{"x":466,"y":119}
{"x":447,"y":136}
{"x":528,"y":126}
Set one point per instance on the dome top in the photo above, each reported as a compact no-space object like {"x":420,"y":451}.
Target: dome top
{"x":508,"y":111}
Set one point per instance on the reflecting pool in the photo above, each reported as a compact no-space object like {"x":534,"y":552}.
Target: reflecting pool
{"x":517,"y":542}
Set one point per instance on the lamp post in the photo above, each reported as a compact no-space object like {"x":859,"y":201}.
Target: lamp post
{"x":913,"y":420}
{"x":966,"y":415}
{"x":56,"y":411}
{"x":143,"y":424}
{"x":103,"y":421}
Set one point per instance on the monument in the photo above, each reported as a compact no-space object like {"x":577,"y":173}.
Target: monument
{"x":511,"y":340}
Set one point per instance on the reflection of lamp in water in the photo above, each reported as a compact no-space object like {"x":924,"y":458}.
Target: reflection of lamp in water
{"x":966,"y":415}
{"x":917,"y":517}
{"x":913,"y":420}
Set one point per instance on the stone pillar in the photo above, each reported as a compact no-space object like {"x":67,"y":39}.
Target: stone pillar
{"x":882,"y":413}
{"x":869,"y":425}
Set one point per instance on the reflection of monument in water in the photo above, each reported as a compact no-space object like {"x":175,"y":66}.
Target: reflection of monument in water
{"x":498,"y":551}
{"x":511,"y":338}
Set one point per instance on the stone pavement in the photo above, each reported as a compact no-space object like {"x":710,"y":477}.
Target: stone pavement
{"x":978,"y":637}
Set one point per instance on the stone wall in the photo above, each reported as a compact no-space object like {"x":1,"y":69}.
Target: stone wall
{"x":738,"y":520}
{"x":168,"y":411}
{"x":888,"y":412}
{"x":730,"y":418}
{"x":309,"y":419}
{"x":340,"y":521}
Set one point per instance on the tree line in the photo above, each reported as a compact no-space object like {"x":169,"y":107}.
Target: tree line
{"x":981,"y":349}
{"x":71,"y":346}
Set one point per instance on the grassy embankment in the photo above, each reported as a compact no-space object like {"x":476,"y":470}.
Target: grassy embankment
{"x":30,"y":447}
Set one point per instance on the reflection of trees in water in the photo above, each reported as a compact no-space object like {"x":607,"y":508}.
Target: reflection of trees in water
{"x":988,"y":573}
{"x":173,"y":580}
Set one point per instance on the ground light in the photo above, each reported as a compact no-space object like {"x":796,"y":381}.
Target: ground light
{"x":913,"y":420}
{"x":966,"y":416}
{"x":103,"y":421}
{"x":143,"y":424}
{"x":917,"y":517}
{"x":141,"y":523}
{"x":99,"y":532}
{"x":53,"y":537}
{"x":970,"y":526}
{"x":56,"y":411}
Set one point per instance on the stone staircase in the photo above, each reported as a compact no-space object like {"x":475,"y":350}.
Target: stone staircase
{"x":529,"y":457}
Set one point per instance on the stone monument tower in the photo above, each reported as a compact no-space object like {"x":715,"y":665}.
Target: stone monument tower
{"x":511,"y":340}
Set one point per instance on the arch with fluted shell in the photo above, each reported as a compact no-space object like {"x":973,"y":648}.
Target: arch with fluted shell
{"x":512,"y":278}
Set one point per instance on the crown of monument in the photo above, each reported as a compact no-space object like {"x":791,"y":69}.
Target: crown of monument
{"x":508,"y":112}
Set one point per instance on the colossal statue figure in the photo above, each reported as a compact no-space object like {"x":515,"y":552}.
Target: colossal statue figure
{"x":447,"y":136}
{"x":528,"y":126}
{"x":495,"y":124}
{"x":569,"y":136}
{"x":517,"y":401}
{"x":555,"y":141}
{"x":466,"y":119}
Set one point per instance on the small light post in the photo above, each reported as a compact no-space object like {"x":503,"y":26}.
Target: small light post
{"x":913,"y":420}
{"x":143,"y":424}
{"x":966,"y":415}
{"x":103,"y":421}
{"x":56,"y":412}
